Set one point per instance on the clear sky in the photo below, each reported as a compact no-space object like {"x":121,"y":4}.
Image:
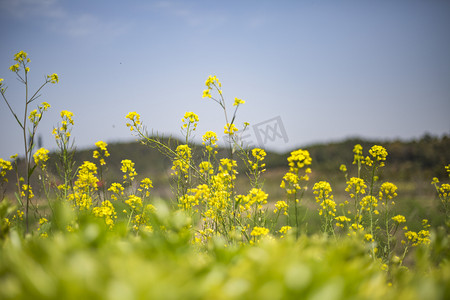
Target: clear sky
{"x":328,"y":69}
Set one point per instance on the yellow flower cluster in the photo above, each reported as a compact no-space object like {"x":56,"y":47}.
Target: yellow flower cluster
{"x":4,"y":166}
{"x":63,"y":132}
{"x":27,"y":189}
{"x":182,"y":162}
{"x":358,"y":154}
{"x":102,"y":153}
{"x":281,"y":206}
{"x":190,"y":118}
{"x":356,"y":186}
{"x":369,"y":203}
{"x":134,"y":202}
{"x":206,"y":167}
{"x":379,"y":154}
{"x":210,"y":140}
{"x":128,"y":169}
{"x":417,"y":238}
{"x":444,"y":191}
{"x":388,"y":191}
{"x":116,"y":188}
{"x":259,"y":231}
{"x":53,"y":78}
{"x":21,"y":58}
{"x":290,"y":183}
{"x":230,"y":129}
{"x":41,"y":157}
{"x":259,"y":155}
{"x":399,"y":219}
{"x":211,"y":82}
{"x":85,"y":185}
{"x":256,"y":197}
{"x":299,"y":159}
{"x":36,"y":115}
{"x":341,"y":220}
{"x":284,"y":230}
{"x":145,"y":186}
{"x":238,"y":102}
{"x":134,"y":120}
{"x":107,"y":211}
{"x":323,"y":191}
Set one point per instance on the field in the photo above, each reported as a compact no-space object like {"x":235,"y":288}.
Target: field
{"x":337,"y":221}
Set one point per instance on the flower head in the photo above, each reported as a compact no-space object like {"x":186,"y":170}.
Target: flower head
{"x":41,"y":157}
{"x":238,"y":101}
{"x":53,"y":78}
{"x":134,"y":120}
{"x":230,"y":129}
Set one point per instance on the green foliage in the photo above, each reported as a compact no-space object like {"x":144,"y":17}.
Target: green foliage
{"x":96,"y":263}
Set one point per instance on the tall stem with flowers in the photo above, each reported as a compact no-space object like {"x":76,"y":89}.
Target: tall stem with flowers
{"x":21,"y":69}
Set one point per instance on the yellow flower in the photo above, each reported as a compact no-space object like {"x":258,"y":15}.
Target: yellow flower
{"x":134,"y":202}
{"x":4,"y":166}
{"x":358,"y":153}
{"x":128,"y":169}
{"x":230,"y":129}
{"x":134,"y":117}
{"x":387,"y":191}
{"x":399,"y":219}
{"x":356,"y":186}
{"x":281,"y":206}
{"x":258,"y":231}
{"x":14,"y":68}
{"x":298,"y":159}
{"x":368,"y":237}
{"x":190,"y":118}
{"x":21,"y":56}
{"x":41,"y":157}
{"x":379,"y":153}
{"x":146,"y":185}
{"x":206,"y":94}
{"x":238,"y":101}
{"x":53,"y":78}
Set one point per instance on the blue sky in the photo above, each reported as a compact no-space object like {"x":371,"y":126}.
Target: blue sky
{"x":328,"y":69}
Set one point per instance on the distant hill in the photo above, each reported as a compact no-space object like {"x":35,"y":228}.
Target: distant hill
{"x":417,"y":160}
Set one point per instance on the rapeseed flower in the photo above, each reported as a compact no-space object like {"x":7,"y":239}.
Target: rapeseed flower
{"x":238,"y":102}
{"x":230,"y":129}
{"x":116,"y":188}
{"x":182,"y":162}
{"x":387,"y":191}
{"x":84,"y":186}
{"x":53,"y":78}
{"x":134,"y":202}
{"x":259,"y":231}
{"x":107,"y":211}
{"x":102,"y":153}
{"x":399,"y":219}
{"x":134,"y":120}
{"x":379,"y":153}
{"x":41,"y":157}
{"x":128,"y":169}
{"x":357,"y":150}
{"x":146,"y":185}
{"x":4,"y":166}
{"x":356,"y":186}
{"x":281,"y":206}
